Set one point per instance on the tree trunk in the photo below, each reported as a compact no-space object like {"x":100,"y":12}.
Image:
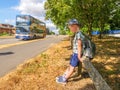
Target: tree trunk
{"x":101,"y":29}
{"x":90,"y":30}
{"x":100,"y":35}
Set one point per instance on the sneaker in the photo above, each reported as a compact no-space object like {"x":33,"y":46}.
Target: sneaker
{"x":61,"y":80}
{"x":60,"y":76}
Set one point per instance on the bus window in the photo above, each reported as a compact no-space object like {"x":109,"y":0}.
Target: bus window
{"x":21,"y":29}
{"x":22,"y":20}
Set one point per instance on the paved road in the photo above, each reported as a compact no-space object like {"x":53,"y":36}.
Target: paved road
{"x":12,"y":40}
{"x":8,"y":41}
{"x":115,"y":35}
{"x":13,"y":56}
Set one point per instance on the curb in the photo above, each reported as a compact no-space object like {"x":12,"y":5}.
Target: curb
{"x":6,"y":37}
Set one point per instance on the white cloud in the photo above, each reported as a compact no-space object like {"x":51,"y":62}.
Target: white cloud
{"x":36,"y":9}
{"x":9,"y":21}
{"x":49,"y":24}
{"x":32,"y":7}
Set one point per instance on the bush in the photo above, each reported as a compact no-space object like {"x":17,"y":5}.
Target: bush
{"x":4,"y":34}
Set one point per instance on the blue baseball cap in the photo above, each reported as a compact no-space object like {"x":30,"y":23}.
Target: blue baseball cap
{"x":73,"y":21}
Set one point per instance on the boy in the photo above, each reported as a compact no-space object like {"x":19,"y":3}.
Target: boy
{"x":77,"y":52}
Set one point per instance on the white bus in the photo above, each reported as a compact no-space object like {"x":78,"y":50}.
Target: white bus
{"x":28,"y":27}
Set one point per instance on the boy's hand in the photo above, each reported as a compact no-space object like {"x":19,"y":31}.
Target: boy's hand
{"x":80,"y":58}
{"x":79,"y":49}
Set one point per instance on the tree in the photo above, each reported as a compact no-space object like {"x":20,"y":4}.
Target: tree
{"x":58,"y":12}
{"x":52,"y":33}
{"x":115,"y":18}
{"x":105,"y":7}
{"x":61,"y":11}
{"x":86,"y":11}
{"x":91,"y":13}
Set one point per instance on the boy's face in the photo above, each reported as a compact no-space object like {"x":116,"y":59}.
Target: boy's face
{"x":73,"y":28}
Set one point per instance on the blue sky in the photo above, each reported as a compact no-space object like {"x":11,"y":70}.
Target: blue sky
{"x":7,"y":13}
{"x":10,"y":8}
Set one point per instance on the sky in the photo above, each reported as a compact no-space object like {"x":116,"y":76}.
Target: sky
{"x":10,"y":8}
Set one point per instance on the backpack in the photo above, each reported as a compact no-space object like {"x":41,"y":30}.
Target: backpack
{"x":89,"y":47}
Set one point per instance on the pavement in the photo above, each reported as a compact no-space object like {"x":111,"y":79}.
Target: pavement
{"x":12,"y":56}
{"x":115,"y":35}
{"x":2,"y":37}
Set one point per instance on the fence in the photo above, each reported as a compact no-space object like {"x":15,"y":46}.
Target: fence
{"x":106,"y":32}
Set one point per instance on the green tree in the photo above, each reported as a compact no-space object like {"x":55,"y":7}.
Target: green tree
{"x":105,"y":8}
{"x":86,"y":12}
{"x":58,"y":12}
{"x":91,"y":13}
{"x":115,"y":18}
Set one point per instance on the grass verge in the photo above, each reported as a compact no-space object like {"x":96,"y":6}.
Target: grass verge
{"x":39,"y":73}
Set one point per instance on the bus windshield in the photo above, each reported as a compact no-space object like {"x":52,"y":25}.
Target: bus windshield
{"x":22,"y":20}
{"x":22,"y":30}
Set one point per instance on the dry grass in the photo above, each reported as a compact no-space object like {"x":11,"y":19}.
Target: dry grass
{"x":107,"y":60}
{"x":39,"y":73}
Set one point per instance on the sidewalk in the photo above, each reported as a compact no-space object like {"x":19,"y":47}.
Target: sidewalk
{"x":114,"y":35}
{"x":5,"y":37}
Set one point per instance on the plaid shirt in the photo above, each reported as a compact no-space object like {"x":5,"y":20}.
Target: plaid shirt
{"x":78,"y":36}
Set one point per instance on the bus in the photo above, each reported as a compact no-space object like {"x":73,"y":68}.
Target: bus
{"x":28,"y":27}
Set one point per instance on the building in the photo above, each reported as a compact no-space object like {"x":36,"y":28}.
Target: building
{"x":7,"y":28}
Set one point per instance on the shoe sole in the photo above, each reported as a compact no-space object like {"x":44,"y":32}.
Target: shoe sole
{"x":58,"y":77}
{"x":61,"y":82}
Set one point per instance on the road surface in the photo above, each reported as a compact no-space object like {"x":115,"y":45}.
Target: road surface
{"x":115,"y":35}
{"x":11,"y":57}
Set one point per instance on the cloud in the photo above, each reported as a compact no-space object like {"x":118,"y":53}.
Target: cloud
{"x":9,"y":21}
{"x":36,"y":9}
{"x":32,"y":7}
{"x":50,"y":25}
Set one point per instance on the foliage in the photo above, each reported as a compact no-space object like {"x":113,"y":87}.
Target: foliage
{"x":52,"y":33}
{"x":58,"y":12}
{"x":91,"y":13}
{"x":4,"y":34}
{"x":115,"y":18}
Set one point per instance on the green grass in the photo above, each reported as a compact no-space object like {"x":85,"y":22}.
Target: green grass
{"x":4,"y":34}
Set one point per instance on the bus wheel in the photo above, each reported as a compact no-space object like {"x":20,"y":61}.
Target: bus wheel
{"x":34,"y":37}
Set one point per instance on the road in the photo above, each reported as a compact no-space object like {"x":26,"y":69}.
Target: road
{"x":115,"y":35}
{"x":11,"y":57}
{"x":8,"y":41}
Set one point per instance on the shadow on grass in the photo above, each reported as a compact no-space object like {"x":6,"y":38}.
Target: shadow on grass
{"x":68,"y":47}
{"x":111,"y":76}
{"x":77,"y":77}
{"x":108,"y":50}
{"x":67,"y":59}
{"x":87,"y":87}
